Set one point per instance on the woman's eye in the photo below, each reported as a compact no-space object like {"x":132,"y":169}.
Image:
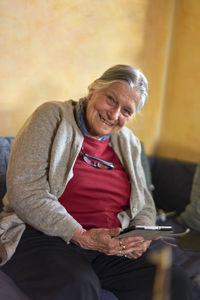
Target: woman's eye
{"x":111,"y":98}
{"x":127,"y":112}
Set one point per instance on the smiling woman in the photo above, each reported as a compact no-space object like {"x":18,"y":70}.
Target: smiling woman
{"x":114,"y":98}
{"x":74,"y":180}
{"x":110,"y":108}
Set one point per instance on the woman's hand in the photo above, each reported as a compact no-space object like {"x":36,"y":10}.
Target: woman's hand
{"x":137,"y":253}
{"x":102,"y":240}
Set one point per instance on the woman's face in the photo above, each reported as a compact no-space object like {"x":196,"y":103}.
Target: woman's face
{"x":109,"y":109}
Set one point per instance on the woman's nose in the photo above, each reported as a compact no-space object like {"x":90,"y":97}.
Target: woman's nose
{"x":114,"y":114}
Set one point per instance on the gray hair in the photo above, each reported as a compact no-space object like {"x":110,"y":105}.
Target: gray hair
{"x":123,"y":73}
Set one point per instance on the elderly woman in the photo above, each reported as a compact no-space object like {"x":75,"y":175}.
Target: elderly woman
{"x":74,"y":180}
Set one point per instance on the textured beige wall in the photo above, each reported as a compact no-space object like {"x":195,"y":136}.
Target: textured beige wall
{"x":180,"y":131}
{"x":52,"y":49}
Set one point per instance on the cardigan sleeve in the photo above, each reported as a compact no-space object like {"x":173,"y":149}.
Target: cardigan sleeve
{"x":28,"y":191}
{"x":142,"y":209}
{"x":146,"y":213}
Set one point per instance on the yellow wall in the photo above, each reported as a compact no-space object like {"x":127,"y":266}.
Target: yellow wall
{"x":153,"y":61}
{"x":52,"y":49}
{"x":180,"y":130}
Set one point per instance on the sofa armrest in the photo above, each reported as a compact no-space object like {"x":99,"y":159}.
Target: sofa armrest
{"x":5,"y":147}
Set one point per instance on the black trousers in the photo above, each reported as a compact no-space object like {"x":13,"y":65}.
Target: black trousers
{"x":46,"y":268}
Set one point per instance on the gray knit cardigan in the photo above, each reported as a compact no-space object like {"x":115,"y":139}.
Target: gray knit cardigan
{"x":40,"y":166}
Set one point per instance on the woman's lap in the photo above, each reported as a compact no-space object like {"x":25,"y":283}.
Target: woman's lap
{"x":47,"y":268}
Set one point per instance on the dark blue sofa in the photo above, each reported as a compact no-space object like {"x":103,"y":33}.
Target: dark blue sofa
{"x":172,"y":181}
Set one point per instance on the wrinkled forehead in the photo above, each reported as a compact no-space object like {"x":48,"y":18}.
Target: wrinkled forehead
{"x":125,"y":90}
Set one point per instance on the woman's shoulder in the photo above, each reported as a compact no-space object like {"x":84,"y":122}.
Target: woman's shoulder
{"x":56,"y":111}
{"x":127,"y":134}
{"x":55,"y":105}
{"x":46,"y":118}
{"x":125,"y":140}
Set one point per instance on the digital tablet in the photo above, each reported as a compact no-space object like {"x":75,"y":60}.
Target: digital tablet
{"x":150,"y":232}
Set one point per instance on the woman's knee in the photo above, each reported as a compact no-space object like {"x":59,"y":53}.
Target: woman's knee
{"x":74,"y":276}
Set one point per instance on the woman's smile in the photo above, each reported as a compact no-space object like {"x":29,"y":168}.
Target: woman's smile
{"x":105,"y":121}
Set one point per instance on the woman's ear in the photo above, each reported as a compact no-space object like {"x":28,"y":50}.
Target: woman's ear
{"x":89,"y":95}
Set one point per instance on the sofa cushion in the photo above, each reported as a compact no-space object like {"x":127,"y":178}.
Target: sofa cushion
{"x":172,"y":180}
{"x":191,"y":215}
{"x":8,"y":289}
{"x":107,"y":295}
{"x":5,"y":146}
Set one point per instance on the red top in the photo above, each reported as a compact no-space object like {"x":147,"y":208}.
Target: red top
{"x":94,"y":196}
